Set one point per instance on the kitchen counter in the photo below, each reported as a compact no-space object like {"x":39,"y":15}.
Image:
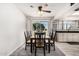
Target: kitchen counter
{"x":67,"y":31}
{"x":67,"y":36}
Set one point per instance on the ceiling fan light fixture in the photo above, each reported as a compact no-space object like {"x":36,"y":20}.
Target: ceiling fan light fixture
{"x":40,"y":13}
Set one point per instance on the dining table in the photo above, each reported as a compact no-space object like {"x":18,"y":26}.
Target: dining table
{"x":47,"y":37}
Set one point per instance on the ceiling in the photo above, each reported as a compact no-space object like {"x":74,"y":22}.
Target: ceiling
{"x":58,"y":9}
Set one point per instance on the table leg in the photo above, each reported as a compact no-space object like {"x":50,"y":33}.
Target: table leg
{"x":31,"y":46}
{"x":49,"y":46}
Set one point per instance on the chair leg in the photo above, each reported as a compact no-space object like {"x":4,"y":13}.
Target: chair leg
{"x":33,"y":46}
{"x":35,"y":51}
{"x":46,"y":47}
{"x":54,"y":47}
{"x":51,"y":44}
{"x":49,"y":48}
{"x":44,"y":51}
{"x":25,"y":47}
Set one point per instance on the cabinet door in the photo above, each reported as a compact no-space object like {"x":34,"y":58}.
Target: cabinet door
{"x":69,"y":37}
{"x":75,"y":37}
{"x":62,"y":37}
{"x":65,"y":39}
{"x":59,"y":37}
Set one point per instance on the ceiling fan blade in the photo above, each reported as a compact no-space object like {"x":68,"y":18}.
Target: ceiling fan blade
{"x":46,"y":11}
{"x":39,"y":8}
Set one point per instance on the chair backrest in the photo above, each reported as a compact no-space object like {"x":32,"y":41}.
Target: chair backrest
{"x":54,"y":36}
{"x":25,"y":36}
{"x":51,"y":35}
{"x":28,"y":33}
{"x":40,"y":37}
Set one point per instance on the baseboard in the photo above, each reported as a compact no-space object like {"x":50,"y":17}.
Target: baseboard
{"x":15,"y":49}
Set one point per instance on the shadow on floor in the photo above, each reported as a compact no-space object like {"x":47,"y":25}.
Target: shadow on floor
{"x":73,"y":43}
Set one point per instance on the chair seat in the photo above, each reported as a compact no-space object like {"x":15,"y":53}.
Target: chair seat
{"x":48,"y":42}
{"x":51,"y":41}
{"x":29,"y":41}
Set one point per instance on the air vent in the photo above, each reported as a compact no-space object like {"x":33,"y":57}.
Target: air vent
{"x":77,"y":9}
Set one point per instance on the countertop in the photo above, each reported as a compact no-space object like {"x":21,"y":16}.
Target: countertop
{"x":67,"y":31}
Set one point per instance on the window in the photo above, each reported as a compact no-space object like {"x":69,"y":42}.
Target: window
{"x":40,"y":25}
{"x":67,"y":24}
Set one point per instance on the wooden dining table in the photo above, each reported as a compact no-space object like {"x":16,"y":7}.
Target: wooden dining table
{"x":46,"y":38}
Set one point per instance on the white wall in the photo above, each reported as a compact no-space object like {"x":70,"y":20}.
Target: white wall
{"x":12,"y":26}
{"x":29,"y":24}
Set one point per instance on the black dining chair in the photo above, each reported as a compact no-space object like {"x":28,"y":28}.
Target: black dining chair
{"x":27,"y":39}
{"x":51,"y":42}
{"x":53,"y":39}
{"x":40,"y":42}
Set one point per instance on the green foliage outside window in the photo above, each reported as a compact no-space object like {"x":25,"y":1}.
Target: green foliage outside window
{"x":38,"y":27}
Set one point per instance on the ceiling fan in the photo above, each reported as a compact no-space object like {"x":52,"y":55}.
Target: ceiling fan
{"x":40,"y":8}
